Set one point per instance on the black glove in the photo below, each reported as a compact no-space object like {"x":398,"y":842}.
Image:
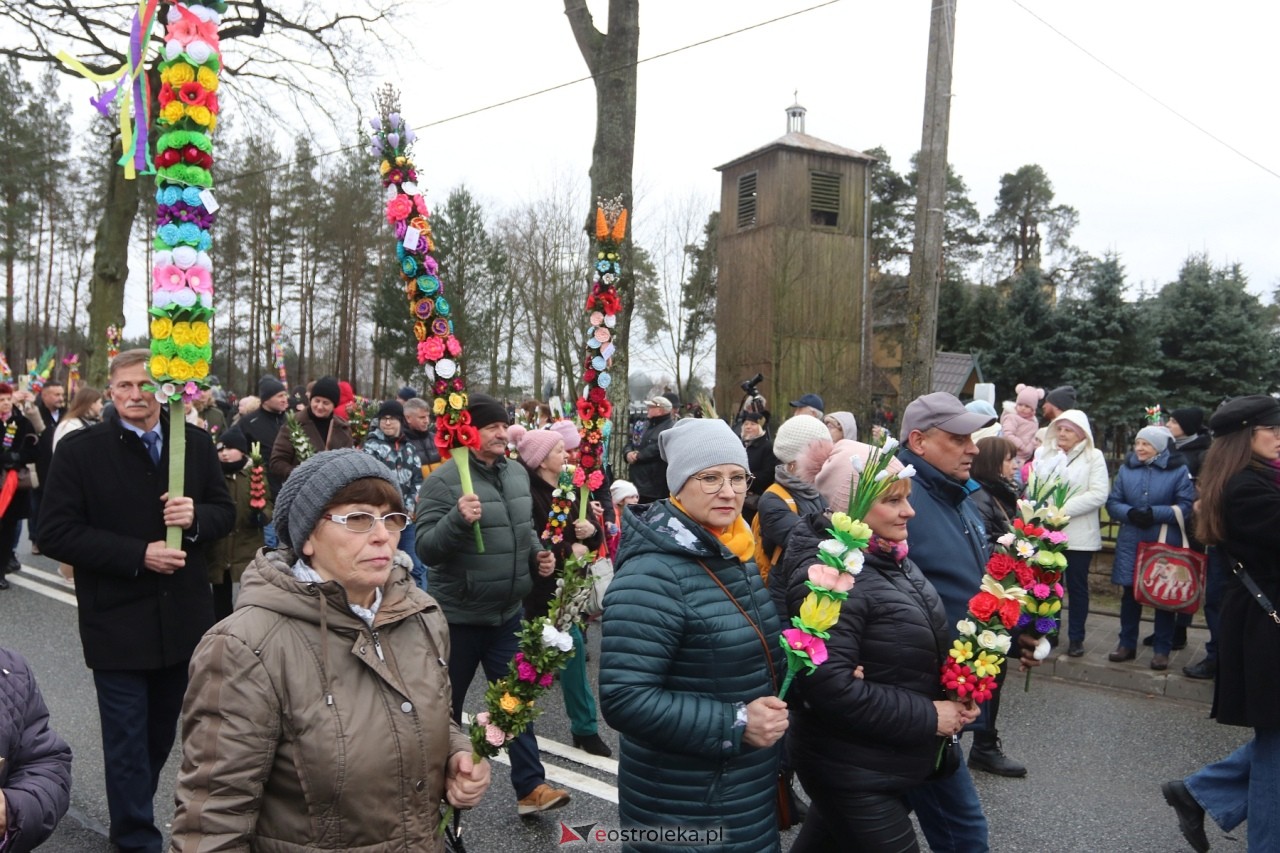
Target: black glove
{"x":1142,"y":517}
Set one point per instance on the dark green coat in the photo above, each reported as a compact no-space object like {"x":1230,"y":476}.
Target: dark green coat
{"x":474,"y":588}
{"x":676,"y":657}
{"x":232,"y":553}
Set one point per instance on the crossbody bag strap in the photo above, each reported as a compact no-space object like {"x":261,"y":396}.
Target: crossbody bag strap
{"x":764,"y":644}
{"x":1256,"y":591}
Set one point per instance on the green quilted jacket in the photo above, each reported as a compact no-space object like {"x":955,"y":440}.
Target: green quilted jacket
{"x":676,"y":657}
{"x":474,"y":588}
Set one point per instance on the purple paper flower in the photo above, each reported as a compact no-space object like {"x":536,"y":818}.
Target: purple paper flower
{"x":1024,"y":620}
{"x":1046,"y":625}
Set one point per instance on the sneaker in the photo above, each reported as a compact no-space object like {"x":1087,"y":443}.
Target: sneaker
{"x":990,"y":758}
{"x":593,"y":744}
{"x":542,"y":798}
{"x":1190,"y":814}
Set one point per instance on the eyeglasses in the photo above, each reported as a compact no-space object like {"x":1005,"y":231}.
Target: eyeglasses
{"x":1274,"y":430}
{"x":712,"y":483}
{"x":362,"y":522}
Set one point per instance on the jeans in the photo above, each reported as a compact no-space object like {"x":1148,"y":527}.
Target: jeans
{"x":579,"y":703}
{"x":493,"y":647}
{"x":1077,"y":593}
{"x":950,"y":814}
{"x":1131,"y":616}
{"x":409,"y":546}
{"x":1214,"y":580}
{"x":139,"y":712}
{"x":1243,"y":785}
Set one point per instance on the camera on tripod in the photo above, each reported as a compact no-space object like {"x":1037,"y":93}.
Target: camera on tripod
{"x":749,"y":385}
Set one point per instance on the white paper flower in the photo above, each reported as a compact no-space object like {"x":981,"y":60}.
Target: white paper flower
{"x":889,"y":444}
{"x":989,"y":640}
{"x":858,"y":463}
{"x":1003,"y":643}
{"x":966,"y":627}
{"x":1025,"y":550}
{"x":907,"y":473}
{"x":881,"y":476}
{"x":1006,"y":540}
{"x":834,"y":547}
{"x":853,"y":561}
{"x":555,"y":638}
{"x":1042,"y":648}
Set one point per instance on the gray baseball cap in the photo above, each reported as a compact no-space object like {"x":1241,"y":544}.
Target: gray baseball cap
{"x":944,"y":411}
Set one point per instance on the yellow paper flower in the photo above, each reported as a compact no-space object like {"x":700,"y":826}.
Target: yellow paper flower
{"x":177,"y":74}
{"x":961,"y":650}
{"x":819,"y":612}
{"x":841,"y":521}
{"x":161,"y":328}
{"x":182,"y":334}
{"x":199,"y":369}
{"x":384,"y":167}
{"x":987,"y":663}
{"x":159,"y":366}
{"x":179,"y":369}
{"x":208,"y":79}
{"x":438,"y":406}
{"x":172,"y":112}
{"x":509,"y":703}
{"x":200,"y":333}
{"x":200,"y":114}
{"x":456,"y":402}
{"x":213,"y":122}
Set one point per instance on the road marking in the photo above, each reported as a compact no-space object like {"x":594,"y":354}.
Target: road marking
{"x":560,"y":775}
{"x":23,"y":580}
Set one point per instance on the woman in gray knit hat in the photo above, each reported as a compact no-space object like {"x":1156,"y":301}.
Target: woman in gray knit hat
{"x":318,"y":713}
{"x":690,"y":654}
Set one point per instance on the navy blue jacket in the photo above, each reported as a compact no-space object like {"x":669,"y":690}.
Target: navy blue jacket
{"x":948,"y":540}
{"x":1158,"y":486}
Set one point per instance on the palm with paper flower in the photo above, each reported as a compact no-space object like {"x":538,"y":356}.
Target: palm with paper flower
{"x":842,"y":559}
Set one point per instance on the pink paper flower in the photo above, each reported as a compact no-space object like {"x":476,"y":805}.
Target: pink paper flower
{"x":546,"y":679}
{"x":807,"y":643}
{"x":482,"y":718}
{"x":830,"y":578}
{"x":1040,"y":591}
{"x":1055,"y":537}
{"x":595,"y":480}
{"x":200,"y":280}
{"x":453,"y":345}
{"x":494,"y":735}
{"x":420,"y":204}
{"x":399,"y":208}
{"x":169,"y":277}
{"x":433,"y":347}
{"x":579,"y":477}
{"x":525,"y":670}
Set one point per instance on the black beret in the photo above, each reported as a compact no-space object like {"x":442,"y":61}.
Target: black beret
{"x":1244,"y":413}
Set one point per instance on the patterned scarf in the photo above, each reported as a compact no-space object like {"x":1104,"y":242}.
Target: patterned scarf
{"x":896,"y":550}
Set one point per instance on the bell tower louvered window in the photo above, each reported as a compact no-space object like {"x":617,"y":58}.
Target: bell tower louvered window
{"x":747,"y":201}
{"x":824,"y":199}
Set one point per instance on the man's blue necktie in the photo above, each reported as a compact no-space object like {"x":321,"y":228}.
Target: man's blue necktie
{"x":152,"y":441}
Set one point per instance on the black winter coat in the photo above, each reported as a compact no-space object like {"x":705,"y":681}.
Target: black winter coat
{"x":997,"y":506}
{"x":761,"y":462}
{"x":101,"y":509}
{"x":544,"y":589}
{"x":44,"y":445}
{"x":262,"y":427}
{"x":876,"y":733}
{"x":36,"y":773}
{"x":22,"y":451}
{"x":1247,"y":692}
{"x":649,"y":471}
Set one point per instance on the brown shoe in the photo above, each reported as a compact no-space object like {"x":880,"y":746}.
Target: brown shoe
{"x":541,"y":799}
{"x":1160,"y":662}
{"x":1121,"y":654}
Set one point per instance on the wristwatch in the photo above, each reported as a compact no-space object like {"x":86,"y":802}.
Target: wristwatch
{"x":740,"y":715}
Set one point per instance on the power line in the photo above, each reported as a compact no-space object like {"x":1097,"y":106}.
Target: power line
{"x":534,"y":94}
{"x":1143,"y":91}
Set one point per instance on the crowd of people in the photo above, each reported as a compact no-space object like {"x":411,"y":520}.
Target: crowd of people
{"x":313,"y":637}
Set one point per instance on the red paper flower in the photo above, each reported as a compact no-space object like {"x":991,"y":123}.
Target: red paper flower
{"x":469,"y":436}
{"x":984,"y":605}
{"x":586,"y":409}
{"x":1000,"y":565}
{"x":1026,"y":574}
{"x":1010,"y":610}
{"x":588,"y":461}
{"x":192,"y":94}
{"x":598,"y":395}
{"x":604,"y":409}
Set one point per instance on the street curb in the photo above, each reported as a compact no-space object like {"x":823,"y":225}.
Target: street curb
{"x":1134,"y":676}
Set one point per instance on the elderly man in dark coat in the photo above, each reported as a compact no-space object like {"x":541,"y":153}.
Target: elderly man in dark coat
{"x":143,"y":606}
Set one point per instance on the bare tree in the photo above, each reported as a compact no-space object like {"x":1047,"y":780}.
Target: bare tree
{"x":302,"y":53}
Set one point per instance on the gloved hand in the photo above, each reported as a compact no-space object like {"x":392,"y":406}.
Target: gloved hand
{"x":1142,"y":517}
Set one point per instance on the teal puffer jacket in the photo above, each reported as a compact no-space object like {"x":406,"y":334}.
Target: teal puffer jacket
{"x":676,"y":657}
{"x":474,"y":588}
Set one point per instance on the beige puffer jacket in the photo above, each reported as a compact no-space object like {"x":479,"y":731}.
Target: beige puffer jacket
{"x":302,"y":729}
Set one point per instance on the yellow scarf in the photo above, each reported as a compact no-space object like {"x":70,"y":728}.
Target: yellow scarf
{"x":736,"y":537}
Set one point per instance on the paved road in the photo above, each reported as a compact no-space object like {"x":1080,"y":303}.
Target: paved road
{"x":1097,"y":755}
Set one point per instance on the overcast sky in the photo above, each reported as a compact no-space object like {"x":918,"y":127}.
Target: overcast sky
{"x":1146,"y":183}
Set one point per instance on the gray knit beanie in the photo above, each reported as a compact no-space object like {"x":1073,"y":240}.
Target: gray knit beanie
{"x":313,"y":484}
{"x":695,"y":444}
{"x":1157,"y":436}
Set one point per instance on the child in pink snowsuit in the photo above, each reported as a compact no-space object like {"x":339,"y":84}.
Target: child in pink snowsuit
{"x":1020,"y":425}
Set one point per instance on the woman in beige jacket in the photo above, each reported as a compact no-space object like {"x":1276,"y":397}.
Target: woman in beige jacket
{"x":317,"y":717}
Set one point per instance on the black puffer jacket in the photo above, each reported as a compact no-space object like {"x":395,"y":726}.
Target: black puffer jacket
{"x":997,"y":506}
{"x":876,"y":733}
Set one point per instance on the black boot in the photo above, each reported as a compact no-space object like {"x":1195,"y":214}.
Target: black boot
{"x":593,"y":744}
{"x":986,"y":755}
{"x":799,"y":811}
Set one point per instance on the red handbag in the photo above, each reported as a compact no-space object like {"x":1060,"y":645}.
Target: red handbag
{"x":1168,"y":577}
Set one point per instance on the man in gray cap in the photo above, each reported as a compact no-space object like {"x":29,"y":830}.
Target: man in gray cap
{"x":949,"y":545}
{"x":648,"y":469}
{"x":482,"y":594}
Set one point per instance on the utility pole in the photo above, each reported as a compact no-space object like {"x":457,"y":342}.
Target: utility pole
{"x":920,"y":336}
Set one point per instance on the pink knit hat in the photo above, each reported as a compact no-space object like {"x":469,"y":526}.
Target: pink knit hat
{"x":535,"y":445}
{"x":567,"y":430}
{"x":830,"y":468}
{"x":1029,"y":396}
